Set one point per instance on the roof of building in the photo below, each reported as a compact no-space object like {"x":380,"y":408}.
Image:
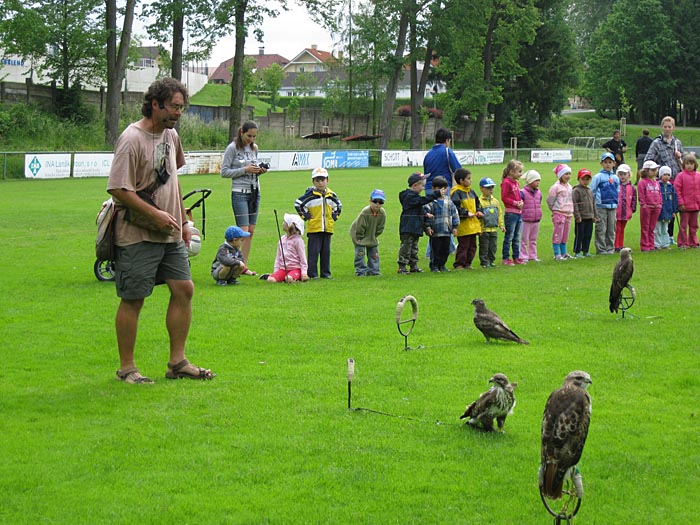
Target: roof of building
{"x":223,"y":72}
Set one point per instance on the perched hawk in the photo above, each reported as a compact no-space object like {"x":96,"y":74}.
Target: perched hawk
{"x":564,"y":431}
{"x":497,"y":402}
{"x":491,"y":325}
{"x":621,"y":276}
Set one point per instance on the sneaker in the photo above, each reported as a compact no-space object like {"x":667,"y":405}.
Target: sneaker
{"x":566,"y":256}
{"x":221,"y":282}
{"x":508,"y":262}
{"x":579,"y":255}
{"x":469,"y":267}
{"x":435,"y":270}
{"x":558,"y":258}
{"x":403,"y":271}
{"x":520,"y":261}
{"x":492,"y":265}
{"x":415,"y":269}
{"x":264,"y":276}
{"x":444,"y":269}
{"x":588,"y":255}
{"x":232,"y":281}
{"x":536,"y":259}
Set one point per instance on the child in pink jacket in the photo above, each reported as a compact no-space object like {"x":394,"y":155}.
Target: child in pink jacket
{"x":687,"y":186}
{"x":561,"y":203}
{"x":626,"y":204}
{"x":290,"y":263}
{"x":532,"y":215}
{"x":649,"y":204}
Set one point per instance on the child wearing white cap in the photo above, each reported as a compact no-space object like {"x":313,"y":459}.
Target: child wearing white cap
{"x":649,"y":204}
{"x":532,"y":215}
{"x":364,"y":231}
{"x":561,"y":204}
{"x":290,"y":262}
{"x":626,"y":204}
{"x":320,"y":207}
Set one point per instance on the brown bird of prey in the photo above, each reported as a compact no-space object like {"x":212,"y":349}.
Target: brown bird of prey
{"x":493,"y":326}
{"x":497,"y":402}
{"x":564,"y":430}
{"x":621,"y":277}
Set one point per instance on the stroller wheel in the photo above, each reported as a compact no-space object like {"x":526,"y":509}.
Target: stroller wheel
{"x":104,"y":270}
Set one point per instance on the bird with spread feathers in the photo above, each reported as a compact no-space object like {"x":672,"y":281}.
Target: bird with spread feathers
{"x":496,"y":403}
{"x":493,"y":326}
{"x":621,"y":277}
{"x":564,"y":430}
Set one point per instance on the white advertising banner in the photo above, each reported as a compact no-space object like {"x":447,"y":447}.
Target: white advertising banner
{"x":465,"y":157}
{"x":551,"y":155}
{"x":201,"y":163}
{"x":47,"y":165}
{"x":92,"y":164}
{"x":489,"y":156}
{"x":300,"y":160}
{"x":392,"y":159}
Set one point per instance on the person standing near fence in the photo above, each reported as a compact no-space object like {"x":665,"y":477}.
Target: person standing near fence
{"x":642,"y":147}
{"x":151,"y":229}
{"x":617,"y":147}
{"x":240,"y":164}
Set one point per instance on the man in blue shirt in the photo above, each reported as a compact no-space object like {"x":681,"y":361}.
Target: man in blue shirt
{"x":440,"y":161}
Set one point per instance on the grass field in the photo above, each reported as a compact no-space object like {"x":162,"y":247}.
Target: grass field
{"x":270,"y":440}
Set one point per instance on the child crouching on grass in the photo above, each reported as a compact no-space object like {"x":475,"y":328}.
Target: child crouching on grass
{"x":290,"y":262}
{"x":228,"y":264}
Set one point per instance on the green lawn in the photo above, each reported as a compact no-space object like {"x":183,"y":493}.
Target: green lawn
{"x":270,"y":440}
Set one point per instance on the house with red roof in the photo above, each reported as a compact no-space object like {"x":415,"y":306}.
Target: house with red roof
{"x":222,"y":74}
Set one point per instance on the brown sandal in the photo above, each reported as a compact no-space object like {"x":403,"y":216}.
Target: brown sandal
{"x":133,"y":377}
{"x":176,"y":371}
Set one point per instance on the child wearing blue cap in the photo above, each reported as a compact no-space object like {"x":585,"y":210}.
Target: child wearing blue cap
{"x":228,"y":264}
{"x":364,"y":231}
{"x":606,"y":188}
{"x":491,"y":222}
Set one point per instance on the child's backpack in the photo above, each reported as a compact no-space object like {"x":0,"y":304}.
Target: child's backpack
{"x":104,"y":243}
{"x":490,"y":212}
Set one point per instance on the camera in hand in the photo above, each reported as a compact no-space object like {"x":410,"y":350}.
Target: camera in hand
{"x":264,"y":165}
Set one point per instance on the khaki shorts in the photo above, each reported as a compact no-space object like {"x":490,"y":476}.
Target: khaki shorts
{"x":140,"y":267}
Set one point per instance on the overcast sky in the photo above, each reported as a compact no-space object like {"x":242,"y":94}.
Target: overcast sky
{"x":286,"y":35}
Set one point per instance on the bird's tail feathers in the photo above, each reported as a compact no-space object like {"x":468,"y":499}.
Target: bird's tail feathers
{"x":468,"y":411}
{"x":553,"y":480}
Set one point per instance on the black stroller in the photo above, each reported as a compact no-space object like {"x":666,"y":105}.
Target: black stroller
{"x":104,"y":270}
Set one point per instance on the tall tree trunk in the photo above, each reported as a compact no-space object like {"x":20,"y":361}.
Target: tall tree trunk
{"x":178,"y":40}
{"x":388,"y":108}
{"x":418,"y":97}
{"x":237,"y":77}
{"x":116,"y":64}
{"x":479,"y":129}
{"x":499,"y":117}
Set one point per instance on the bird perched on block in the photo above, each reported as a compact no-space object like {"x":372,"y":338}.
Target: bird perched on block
{"x":493,"y":326}
{"x":621,"y":277}
{"x":496,"y":403}
{"x":564,"y":430}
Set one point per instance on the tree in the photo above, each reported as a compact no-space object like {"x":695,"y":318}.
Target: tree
{"x":202,"y":29}
{"x":272,"y":77}
{"x":552,"y":69}
{"x":116,"y":63}
{"x":635,"y":48}
{"x":64,"y":39}
{"x":482,"y":58}
{"x":239,"y":16}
